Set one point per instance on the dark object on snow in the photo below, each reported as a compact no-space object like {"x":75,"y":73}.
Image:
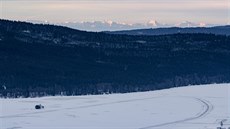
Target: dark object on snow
{"x":39,"y":106}
{"x":221,"y":123}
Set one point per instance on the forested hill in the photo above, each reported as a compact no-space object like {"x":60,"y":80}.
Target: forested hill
{"x":38,"y":60}
{"x":218,"y":30}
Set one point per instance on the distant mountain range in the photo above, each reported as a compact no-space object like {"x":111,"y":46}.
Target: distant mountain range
{"x":39,"y":60}
{"x":218,"y":30}
{"x":117,"y":26}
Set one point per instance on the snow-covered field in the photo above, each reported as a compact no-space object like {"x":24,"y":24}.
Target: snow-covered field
{"x":193,"y":107}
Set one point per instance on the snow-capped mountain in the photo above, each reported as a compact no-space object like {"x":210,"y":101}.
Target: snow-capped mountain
{"x":190,"y":24}
{"x":116,"y":26}
{"x":102,"y":25}
{"x":112,"y":25}
{"x":153,"y":23}
{"x":109,"y":25}
{"x":38,"y":21}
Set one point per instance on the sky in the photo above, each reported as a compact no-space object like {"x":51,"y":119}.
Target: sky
{"x":128,"y":11}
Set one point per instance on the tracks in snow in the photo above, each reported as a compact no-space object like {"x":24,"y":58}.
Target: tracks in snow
{"x":208,"y":107}
{"x":80,"y":107}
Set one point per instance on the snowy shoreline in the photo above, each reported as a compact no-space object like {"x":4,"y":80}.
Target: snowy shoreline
{"x":192,"y":107}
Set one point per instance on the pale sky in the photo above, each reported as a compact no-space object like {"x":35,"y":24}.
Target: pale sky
{"x":129,"y":11}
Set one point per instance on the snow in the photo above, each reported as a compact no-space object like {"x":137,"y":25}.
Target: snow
{"x":192,"y":107}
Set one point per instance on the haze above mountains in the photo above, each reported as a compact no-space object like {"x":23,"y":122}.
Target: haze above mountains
{"x":109,"y":25}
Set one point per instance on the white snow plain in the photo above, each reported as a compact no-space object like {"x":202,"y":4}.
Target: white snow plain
{"x":191,"y":107}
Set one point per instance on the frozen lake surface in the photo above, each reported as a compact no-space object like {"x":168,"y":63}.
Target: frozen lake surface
{"x":192,"y":107}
